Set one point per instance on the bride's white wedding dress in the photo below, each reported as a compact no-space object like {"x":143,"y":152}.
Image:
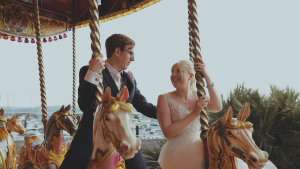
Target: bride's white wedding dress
{"x":185,"y":150}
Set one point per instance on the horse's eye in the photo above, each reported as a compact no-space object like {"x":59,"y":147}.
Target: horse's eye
{"x":229,"y":133}
{"x":106,"y":119}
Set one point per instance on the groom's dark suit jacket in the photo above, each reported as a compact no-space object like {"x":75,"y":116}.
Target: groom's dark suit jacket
{"x":79,"y":153}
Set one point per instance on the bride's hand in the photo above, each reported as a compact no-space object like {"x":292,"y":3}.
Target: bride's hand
{"x":201,"y":103}
{"x":199,"y":65}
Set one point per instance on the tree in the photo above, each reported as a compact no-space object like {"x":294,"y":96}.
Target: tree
{"x":276,"y":122}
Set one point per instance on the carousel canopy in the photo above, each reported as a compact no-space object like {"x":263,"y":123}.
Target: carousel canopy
{"x":16,"y":16}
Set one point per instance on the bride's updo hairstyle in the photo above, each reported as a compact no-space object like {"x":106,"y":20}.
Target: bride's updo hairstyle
{"x":189,"y":67}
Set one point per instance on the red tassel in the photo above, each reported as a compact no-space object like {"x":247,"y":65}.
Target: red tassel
{"x":65,"y":35}
{"x":60,"y":37}
{"x":50,"y":40}
{"x":12,"y":38}
{"x":55,"y":38}
{"x":44,"y":40}
{"x":5,"y":37}
{"x":19,"y":39}
{"x":26,"y":40}
{"x":32,"y":40}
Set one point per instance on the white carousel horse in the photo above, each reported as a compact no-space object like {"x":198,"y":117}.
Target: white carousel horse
{"x":113,"y":140}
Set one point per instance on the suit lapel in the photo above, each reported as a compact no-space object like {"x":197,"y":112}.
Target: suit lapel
{"x":129,"y":83}
{"x":110,"y":82}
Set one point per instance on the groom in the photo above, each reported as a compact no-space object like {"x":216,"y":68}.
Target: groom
{"x":120,"y":53}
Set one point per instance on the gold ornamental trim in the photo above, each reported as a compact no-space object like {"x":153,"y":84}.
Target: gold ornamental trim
{"x":120,"y":14}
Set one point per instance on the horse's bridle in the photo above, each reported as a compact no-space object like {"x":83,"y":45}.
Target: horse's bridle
{"x":58,"y":121}
{"x":107,"y":133}
{"x":221,"y":132}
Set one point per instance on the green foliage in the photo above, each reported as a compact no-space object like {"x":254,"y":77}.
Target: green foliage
{"x":276,"y":122}
{"x":151,"y":154}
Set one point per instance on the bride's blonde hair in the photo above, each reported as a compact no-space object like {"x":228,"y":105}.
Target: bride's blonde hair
{"x":189,"y":67}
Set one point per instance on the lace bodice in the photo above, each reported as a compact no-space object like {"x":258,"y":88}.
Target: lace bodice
{"x":178,"y":112}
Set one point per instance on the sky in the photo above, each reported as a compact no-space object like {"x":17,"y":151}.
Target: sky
{"x":254,"y":42}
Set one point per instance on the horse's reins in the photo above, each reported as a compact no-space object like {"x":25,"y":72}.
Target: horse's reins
{"x":114,"y":141}
{"x":231,"y":146}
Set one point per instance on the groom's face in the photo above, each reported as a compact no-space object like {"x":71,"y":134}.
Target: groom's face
{"x":126,"y":57}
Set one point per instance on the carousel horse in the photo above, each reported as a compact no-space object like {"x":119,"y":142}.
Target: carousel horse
{"x":50,"y":153}
{"x":113,"y":140}
{"x":230,"y":138}
{"x":7,"y":146}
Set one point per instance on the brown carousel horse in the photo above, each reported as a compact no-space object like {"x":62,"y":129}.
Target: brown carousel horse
{"x":113,"y":140}
{"x":7,"y":146}
{"x":50,"y":153}
{"x":230,"y":138}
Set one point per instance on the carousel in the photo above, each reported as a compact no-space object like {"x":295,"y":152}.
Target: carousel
{"x":37,"y":21}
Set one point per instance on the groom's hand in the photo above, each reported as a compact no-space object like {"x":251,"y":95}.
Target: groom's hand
{"x":96,"y":64}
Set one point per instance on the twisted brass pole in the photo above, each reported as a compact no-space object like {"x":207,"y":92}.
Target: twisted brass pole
{"x":194,"y":47}
{"x":95,"y":37}
{"x":40,"y":58}
{"x":74,"y":11}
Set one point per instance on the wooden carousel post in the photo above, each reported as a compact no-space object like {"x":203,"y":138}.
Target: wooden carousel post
{"x":194,"y":47}
{"x":74,"y":14}
{"x":96,"y":47}
{"x":41,"y":67}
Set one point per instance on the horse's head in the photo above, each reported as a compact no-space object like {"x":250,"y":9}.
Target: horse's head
{"x":64,"y":120}
{"x":114,"y":116}
{"x":234,"y":137}
{"x":13,"y":124}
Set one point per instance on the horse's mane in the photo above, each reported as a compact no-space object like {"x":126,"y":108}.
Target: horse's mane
{"x":114,"y":105}
{"x":236,"y":124}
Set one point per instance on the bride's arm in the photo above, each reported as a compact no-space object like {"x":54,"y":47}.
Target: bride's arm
{"x":215,"y":103}
{"x":164,"y":118}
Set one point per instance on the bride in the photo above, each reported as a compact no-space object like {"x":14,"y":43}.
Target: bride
{"x":178,"y":115}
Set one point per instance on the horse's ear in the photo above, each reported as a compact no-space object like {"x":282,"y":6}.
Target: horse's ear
{"x":1,"y":112}
{"x":106,"y":96}
{"x":61,"y":109}
{"x":15,"y":117}
{"x":67,"y":108}
{"x":123,"y":94}
{"x":244,"y":113}
{"x":227,"y":116}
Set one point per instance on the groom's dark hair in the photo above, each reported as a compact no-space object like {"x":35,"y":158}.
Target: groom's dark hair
{"x":116,"y":41}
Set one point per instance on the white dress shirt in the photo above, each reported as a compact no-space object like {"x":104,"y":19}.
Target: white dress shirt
{"x":94,"y":78}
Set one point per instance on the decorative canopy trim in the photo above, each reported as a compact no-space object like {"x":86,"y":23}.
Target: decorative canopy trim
{"x":119,"y":14}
